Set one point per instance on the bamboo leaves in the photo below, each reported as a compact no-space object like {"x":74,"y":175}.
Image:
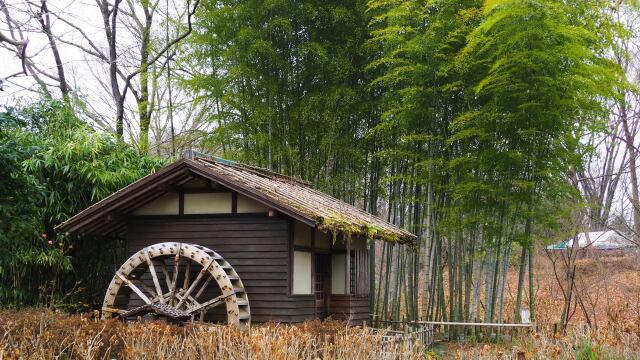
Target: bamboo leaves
{"x":60,"y":167}
{"x":489,"y":96}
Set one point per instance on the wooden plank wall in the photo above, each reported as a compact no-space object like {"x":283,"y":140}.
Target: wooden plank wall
{"x":256,"y":246}
{"x":350,"y":307}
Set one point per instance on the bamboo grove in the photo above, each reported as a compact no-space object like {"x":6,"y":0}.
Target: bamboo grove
{"x":459,"y":120}
{"x":456,"y":119}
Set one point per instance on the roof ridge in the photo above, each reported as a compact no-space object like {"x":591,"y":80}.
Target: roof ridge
{"x":254,"y":169}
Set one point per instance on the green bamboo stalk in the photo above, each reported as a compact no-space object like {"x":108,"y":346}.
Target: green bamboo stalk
{"x":428,"y":248}
{"x":372,"y":275}
{"x":397,"y":285}
{"x":496,"y":271}
{"x":521,"y":272}
{"x":378,"y":310}
{"x":469,"y":277}
{"x":385,"y":303}
{"x":505,"y":266}
{"x":531,"y":293}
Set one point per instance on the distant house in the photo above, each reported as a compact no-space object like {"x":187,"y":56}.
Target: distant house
{"x":300,"y":254}
{"x":603,"y":241}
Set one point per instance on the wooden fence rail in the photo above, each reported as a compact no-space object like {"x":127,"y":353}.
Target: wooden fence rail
{"x":407,"y":332}
{"x":424,"y":331}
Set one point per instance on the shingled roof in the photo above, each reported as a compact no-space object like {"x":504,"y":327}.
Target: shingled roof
{"x":293,"y":197}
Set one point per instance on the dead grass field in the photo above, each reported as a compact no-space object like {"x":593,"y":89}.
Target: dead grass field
{"x":42,"y":334}
{"x":610,"y":289}
{"x":610,"y":286}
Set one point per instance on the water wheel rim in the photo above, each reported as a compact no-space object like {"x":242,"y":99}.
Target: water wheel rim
{"x":214,"y":269}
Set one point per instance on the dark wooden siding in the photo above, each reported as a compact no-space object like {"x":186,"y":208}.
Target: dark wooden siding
{"x":257,"y":247}
{"x":350,"y":307}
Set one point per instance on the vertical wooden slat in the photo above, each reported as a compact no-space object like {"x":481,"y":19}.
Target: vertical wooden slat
{"x":356,"y":271}
{"x":234,"y":202}
{"x":347,"y":272}
{"x":356,"y":268}
{"x":360,"y":273}
{"x":363,"y":266}
{"x":365,"y":272}
{"x":370,"y":275}
{"x":362,"y":277}
{"x":359,"y":278}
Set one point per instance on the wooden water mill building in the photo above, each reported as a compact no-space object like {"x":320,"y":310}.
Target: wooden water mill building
{"x":290,"y":251}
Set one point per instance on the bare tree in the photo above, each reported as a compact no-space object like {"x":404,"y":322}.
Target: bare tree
{"x":600,"y":177}
{"x":610,"y":171}
{"x":565,"y":271}
{"x":126,"y":44}
{"x":139,"y":19}
{"x":17,"y":21}
{"x":21,"y":47}
{"x":44,"y":18}
{"x":626,"y":110}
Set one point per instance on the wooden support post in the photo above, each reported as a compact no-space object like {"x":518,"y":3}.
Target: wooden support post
{"x":181,"y":203}
{"x":234,"y":202}
{"x":347,"y":270}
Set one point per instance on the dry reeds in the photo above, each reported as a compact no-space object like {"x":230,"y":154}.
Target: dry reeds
{"x":41,"y":334}
{"x":577,"y":343}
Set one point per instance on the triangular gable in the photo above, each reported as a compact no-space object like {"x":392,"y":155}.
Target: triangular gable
{"x":103,"y":214}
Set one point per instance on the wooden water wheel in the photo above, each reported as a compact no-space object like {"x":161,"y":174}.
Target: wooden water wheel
{"x":178,"y":281}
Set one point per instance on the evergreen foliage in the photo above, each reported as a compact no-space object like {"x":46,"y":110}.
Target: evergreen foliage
{"x":55,"y":167}
{"x":456,"y":119}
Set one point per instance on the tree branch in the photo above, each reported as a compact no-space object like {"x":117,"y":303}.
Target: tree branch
{"x":155,"y":58}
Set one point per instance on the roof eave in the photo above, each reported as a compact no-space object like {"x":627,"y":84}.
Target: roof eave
{"x":129,"y":196}
{"x":76,"y":223}
{"x":95,"y":209}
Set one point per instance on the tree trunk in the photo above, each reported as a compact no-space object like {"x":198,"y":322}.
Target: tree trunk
{"x":144,"y":111}
{"x":633,"y":174}
{"x":45,"y":22}
{"x":521,"y":271}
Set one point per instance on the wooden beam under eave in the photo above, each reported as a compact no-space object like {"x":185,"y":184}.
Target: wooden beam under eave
{"x":79,"y":224}
{"x":115,"y":217}
{"x":110,"y":229}
{"x":250,"y":193}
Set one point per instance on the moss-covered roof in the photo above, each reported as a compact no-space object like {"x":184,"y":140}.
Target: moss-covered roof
{"x":293,"y":197}
{"x":328,"y":213}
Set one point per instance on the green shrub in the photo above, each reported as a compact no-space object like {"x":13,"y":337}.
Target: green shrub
{"x":54,"y":165}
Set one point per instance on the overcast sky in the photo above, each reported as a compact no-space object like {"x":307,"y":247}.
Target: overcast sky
{"x":86,"y":75}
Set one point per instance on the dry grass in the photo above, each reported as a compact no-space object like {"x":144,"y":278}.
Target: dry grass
{"x":577,"y":343}
{"x":610,"y":286}
{"x":41,"y":334}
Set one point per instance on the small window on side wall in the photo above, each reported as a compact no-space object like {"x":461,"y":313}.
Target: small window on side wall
{"x":358,"y":283}
{"x":301,"y":284}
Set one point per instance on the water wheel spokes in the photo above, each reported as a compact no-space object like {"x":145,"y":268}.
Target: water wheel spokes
{"x":178,"y":280}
